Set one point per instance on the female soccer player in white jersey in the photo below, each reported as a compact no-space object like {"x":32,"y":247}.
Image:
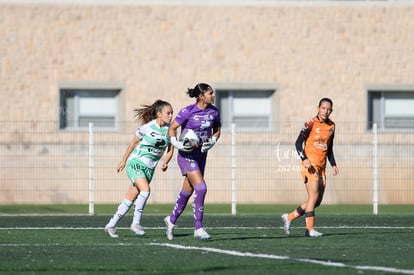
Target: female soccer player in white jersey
{"x":146,"y":148}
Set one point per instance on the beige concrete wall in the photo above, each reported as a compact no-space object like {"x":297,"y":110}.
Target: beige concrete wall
{"x":158,"y":51}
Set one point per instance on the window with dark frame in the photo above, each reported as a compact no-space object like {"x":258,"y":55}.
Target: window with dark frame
{"x":391,"y":109}
{"x":248,"y":109}
{"x":79,"y":107}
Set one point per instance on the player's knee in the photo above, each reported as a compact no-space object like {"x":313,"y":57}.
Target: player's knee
{"x":201,"y":187}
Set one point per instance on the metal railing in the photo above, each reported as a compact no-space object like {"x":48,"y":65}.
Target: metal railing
{"x":41,"y":164}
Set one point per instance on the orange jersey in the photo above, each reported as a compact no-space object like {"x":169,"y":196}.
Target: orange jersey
{"x":318,"y":141}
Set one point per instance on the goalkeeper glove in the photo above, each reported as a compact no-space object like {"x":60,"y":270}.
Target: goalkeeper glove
{"x":180,"y":146}
{"x":207,"y":145}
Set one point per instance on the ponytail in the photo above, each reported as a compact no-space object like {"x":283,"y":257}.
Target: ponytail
{"x":149,"y":112}
{"x":199,"y":89}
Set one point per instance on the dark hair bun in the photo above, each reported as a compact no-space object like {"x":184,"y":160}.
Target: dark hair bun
{"x":199,"y":89}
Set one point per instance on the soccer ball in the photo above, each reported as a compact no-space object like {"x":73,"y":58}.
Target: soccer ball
{"x":189,"y":138}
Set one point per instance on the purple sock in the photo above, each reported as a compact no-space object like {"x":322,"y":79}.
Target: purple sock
{"x":180,"y":205}
{"x":198,"y":204}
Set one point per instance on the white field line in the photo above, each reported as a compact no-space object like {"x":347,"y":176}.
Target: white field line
{"x":221,"y":251}
{"x":277,"y":257}
{"x":215,"y":227}
{"x":231,"y":253}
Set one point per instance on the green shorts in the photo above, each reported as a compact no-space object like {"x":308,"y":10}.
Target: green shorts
{"x":137,"y":170}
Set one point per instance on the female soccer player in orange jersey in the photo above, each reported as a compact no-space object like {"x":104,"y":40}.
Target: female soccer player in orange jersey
{"x":317,"y":136}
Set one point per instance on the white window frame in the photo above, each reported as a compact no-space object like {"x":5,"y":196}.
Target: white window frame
{"x":83,"y":103}
{"x":391,"y":108}
{"x":229,"y":93}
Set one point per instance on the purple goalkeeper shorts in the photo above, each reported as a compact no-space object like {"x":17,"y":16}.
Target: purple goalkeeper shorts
{"x":192,"y":161}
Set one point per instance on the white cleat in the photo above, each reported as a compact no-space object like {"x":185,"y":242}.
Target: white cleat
{"x":170,"y":228}
{"x":111,"y":231}
{"x":137,"y":229}
{"x":202,"y":234}
{"x":286,"y":224}
{"x":313,"y":233}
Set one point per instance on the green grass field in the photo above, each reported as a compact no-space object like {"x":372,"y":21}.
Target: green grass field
{"x":252,"y":242}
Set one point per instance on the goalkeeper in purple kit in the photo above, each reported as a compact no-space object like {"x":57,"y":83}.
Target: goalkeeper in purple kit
{"x":204,"y":119}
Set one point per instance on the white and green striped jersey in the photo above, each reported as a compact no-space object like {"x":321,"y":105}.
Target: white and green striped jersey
{"x":153,"y":142}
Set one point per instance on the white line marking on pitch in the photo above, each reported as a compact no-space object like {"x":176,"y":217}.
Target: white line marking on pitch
{"x":276,"y":257}
{"x":215,"y":227}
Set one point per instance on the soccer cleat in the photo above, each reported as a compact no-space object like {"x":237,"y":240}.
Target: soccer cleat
{"x":313,"y":233}
{"x":202,"y":234}
{"x":286,"y":224}
{"x":111,"y":231}
{"x":170,"y":228}
{"x":137,"y":229}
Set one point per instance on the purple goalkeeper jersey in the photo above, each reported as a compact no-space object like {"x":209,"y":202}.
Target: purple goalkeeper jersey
{"x":201,"y":122}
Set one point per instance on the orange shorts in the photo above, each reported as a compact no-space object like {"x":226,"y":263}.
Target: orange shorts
{"x":313,"y":175}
